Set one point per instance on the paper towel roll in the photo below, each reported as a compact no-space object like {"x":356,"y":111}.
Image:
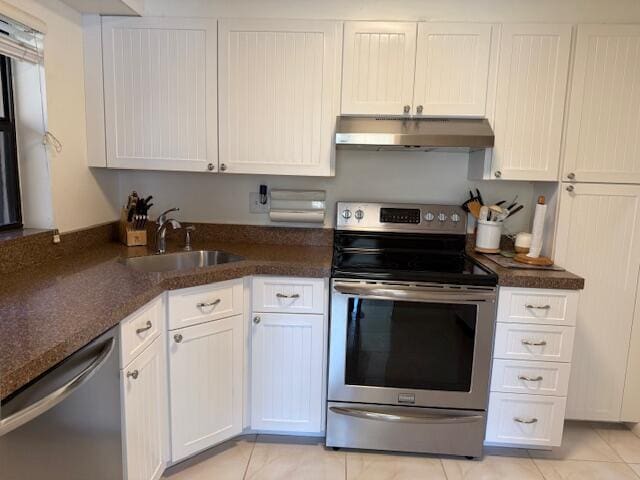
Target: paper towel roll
{"x":307,"y":216}
{"x":537,"y":230}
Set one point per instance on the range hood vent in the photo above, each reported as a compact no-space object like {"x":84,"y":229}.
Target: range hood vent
{"x":422,"y":134}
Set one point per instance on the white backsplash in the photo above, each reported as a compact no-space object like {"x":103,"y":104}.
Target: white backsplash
{"x":412,"y":177}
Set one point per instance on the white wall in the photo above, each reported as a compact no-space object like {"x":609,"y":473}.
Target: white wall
{"x":81,"y":197}
{"x":570,"y":11}
{"x":384,"y":176}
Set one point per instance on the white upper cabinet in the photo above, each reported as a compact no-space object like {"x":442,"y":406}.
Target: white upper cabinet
{"x":452,"y":69}
{"x":279,"y":95}
{"x":529,"y":102}
{"x":378,"y":67}
{"x":431,"y":69}
{"x":597,"y":238}
{"x":160,"y":93}
{"x":603,"y":128}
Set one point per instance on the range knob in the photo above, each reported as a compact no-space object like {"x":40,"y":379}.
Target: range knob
{"x":455,"y":218}
{"x":442,"y":217}
{"x":346,"y":214}
{"x":429,"y":217}
{"x":359,"y":214}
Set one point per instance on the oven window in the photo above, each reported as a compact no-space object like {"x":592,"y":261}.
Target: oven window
{"x":426,"y":346}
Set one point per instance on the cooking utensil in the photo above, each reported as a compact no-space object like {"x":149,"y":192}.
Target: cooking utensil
{"x":514,"y":211}
{"x":474,"y":208}
{"x":484,"y":213}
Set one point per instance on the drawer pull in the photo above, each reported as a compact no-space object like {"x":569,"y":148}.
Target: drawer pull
{"x":528,"y":421}
{"x":202,"y":305}
{"x":534,"y":343}
{"x":144,"y":329}
{"x":530,"y":379}
{"x":538,"y":307}
{"x":284,"y":295}
{"x":133,"y":374}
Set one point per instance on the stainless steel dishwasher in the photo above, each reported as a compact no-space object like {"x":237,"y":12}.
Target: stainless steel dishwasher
{"x":66,"y":424}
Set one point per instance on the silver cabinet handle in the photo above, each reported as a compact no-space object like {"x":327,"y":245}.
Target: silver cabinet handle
{"x":223,"y":167}
{"x":145,"y":328}
{"x":177,"y":337}
{"x":570,"y":188}
{"x":407,"y":108}
{"x":525,"y":420}
{"x":498,"y":174}
{"x":202,"y":305}
{"x":210,"y":167}
{"x":538,"y":307}
{"x":419,"y":109}
{"x":571,"y":176}
{"x":284,"y":295}
{"x":540,"y":343}
{"x":256,"y":320}
{"x":27,"y":414}
{"x":530,"y":379}
{"x":133,"y":374}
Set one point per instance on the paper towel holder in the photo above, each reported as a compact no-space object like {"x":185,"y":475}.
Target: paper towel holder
{"x":539,"y":261}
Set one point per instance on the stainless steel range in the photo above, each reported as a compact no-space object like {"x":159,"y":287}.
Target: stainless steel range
{"x":412,"y":321}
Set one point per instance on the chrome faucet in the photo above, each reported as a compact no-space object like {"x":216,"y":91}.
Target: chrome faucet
{"x":163,"y":222}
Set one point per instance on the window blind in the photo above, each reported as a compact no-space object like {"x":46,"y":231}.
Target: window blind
{"x":20,"y":42}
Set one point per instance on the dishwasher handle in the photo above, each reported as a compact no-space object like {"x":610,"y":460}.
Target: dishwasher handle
{"x":54,"y":398}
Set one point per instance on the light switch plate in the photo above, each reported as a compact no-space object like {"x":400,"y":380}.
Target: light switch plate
{"x":254,"y":203}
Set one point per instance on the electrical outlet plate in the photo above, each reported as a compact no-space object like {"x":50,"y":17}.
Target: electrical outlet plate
{"x":254,"y":203}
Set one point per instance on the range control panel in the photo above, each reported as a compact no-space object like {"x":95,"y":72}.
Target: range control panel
{"x":397,"y":217}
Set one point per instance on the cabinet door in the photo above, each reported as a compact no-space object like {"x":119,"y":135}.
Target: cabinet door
{"x":279,"y":95}
{"x":603,"y":129}
{"x":145,"y":413}
{"x":452,"y":69}
{"x":205,"y":381}
{"x":598,"y":239}
{"x":378,"y":67}
{"x":530,"y":100}
{"x":287,"y":372}
{"x":160,"y":93}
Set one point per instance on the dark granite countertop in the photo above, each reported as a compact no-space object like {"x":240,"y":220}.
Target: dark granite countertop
{"x":58,"y":301}
{"x":50,"y":310}
{"x":529,"y":278}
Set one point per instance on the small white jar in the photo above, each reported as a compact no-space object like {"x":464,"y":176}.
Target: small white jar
{"x":523,"y":242}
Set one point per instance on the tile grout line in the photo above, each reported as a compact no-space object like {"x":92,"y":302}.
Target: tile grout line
{"x":246,"y":468}
{"x":444,"y":470}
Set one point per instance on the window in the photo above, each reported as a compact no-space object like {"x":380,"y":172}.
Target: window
{"x":10,"y":213}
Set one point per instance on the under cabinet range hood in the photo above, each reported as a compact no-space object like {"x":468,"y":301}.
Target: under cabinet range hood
{"x":422,"y":134}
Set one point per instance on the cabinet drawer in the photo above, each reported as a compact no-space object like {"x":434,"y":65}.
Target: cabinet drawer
{"x":192,"y":306}
{"x":139,"y":329}
{"x":537,"y":378}
{"x":550,"y":307}
{"x":516,"y":341}
{"x":515,"y":419}
{"x":288,"y":295}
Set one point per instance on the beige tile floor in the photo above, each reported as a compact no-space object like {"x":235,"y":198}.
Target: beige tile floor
{"x":588,"y":452}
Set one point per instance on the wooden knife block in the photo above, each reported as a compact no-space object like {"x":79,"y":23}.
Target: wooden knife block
{"x":128,"y":234}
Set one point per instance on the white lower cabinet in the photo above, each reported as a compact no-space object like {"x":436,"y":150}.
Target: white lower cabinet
{"x":531,"y":367}
{"x":145,"y":415}
{"x":143,"y":387}
{"x":287,"y":371}
{"x":288,"y":354}
{"x":205,"y":380}
{"x":534,"y":420}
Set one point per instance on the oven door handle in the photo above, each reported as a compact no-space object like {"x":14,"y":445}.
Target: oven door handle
{"x":391,"y":417}
{"x":413,"y":294}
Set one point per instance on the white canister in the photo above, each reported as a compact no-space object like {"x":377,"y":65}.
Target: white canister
{"x":488,"y":236}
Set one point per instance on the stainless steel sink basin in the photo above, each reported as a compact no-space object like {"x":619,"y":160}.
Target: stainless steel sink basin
{"x":181,"y":260}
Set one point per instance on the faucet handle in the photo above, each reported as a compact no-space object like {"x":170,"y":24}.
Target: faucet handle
{"x":163,"y":216}
{"x":187,"y":237}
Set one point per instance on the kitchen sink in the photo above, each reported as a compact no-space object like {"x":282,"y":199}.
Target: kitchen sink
{"x":181,"y":260}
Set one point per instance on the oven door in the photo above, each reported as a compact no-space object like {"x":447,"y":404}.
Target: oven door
{"x":414,"y":345}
